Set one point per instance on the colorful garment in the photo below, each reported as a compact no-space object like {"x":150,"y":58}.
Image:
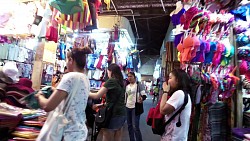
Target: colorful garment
{"x":13,"y":52}
{"x":4,"y":51}
{"x":74,"y":21}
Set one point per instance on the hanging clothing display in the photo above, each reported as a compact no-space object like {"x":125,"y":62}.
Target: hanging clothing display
{"x":206,"y":51}
{"x":68,"y":6}
{"x":242,"y":35}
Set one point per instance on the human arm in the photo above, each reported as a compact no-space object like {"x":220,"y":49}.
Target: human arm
{"x":143,"y":94}
{"x":165,"y":108}
{"x":109,"y":84}
{"x":59,"y":94}
{"x":172,"y":13}
{"x":53,"y":101}
{"x":99,"y":94}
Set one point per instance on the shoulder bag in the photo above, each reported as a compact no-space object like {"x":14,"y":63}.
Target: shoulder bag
{"x":138,"y":106}
{"x":158,"y":125}
{"x":53,"y":128}
{"x":104,"y":115}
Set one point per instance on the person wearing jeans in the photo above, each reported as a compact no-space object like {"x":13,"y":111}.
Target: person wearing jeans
{"x":133,"y":125}
{"x":135,"y":92}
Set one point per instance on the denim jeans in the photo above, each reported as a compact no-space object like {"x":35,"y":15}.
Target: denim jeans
{"x":133,"y":125}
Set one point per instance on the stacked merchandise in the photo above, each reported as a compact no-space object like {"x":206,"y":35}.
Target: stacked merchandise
{"x":21,"y":124}
{"x":205,"y":51}
{"x":14,"y":93}
{"x":242,"y":33}
{"x":16,"y":120}
{"x":240,"y":134}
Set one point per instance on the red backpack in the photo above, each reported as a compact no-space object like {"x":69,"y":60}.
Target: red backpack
{"x":155,"y":118}
{"x":157,"y":121}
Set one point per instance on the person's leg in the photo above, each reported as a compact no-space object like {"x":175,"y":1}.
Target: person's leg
{"x":137,"y":128}
{"x":154,"y":98}
{"x":118,"y":134}
{"x":130,"y":124}
{"x":108,"y":135}
{"x":157,"y":97}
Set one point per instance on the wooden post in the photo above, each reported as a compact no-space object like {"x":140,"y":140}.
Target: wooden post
{"x":238,"y":93}
{"x":38,"y":66}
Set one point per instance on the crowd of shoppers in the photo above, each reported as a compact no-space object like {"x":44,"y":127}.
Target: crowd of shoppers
{"x":124,"y":99}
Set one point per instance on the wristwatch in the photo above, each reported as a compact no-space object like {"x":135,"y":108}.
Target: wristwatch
{"x":165,"y":92}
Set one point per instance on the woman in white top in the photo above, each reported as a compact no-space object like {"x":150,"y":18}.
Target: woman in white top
{"x":134,"y":91}
{"x":178,"y":85}
{"x":76,"y":130}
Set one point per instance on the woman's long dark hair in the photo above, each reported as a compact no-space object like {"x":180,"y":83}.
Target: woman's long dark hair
{"x":116,"y":73}
{"x":183,"y":81}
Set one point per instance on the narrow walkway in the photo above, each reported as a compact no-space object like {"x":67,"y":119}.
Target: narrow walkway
{"x":147,"y":134}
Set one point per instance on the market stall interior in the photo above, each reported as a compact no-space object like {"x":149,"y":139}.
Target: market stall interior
{"x":209,"y":39}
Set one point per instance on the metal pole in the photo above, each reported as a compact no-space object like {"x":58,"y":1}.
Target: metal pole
{"x":114,"y":6}
{"x":163,"y":6}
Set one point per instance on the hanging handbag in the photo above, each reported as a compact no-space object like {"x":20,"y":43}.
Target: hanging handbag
{"x":138,"y":106}
{"x":104,"y":115}
{"x":53,"y":128}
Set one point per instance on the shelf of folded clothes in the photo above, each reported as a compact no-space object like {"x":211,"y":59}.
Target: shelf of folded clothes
{"x":20,"y":123}
{"x":27,"y":130}
{"x":240,"y":134}
{"x":30,"y":126}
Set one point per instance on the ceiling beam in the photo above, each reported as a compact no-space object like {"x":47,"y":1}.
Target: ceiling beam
{"x":130,"y":5}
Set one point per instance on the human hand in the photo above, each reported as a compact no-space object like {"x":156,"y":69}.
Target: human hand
{"x":40,"y":93}
{"x":53,"y":89}
{"x":140,"y":100}
{"x":96,"y":106}
{"x":166,"y":87}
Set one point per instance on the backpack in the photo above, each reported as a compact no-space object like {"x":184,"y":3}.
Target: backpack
{"x":156,"y":120}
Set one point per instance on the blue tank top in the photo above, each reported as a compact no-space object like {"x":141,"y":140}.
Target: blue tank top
{"x":175,"y":18}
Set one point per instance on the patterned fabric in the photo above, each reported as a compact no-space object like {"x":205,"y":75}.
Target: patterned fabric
{"x":75,"y":21}
{"x":4,"y":51}
{"x":77,"y":130}
{"x":204,"y":128}
{"x":13,"y":52}
{"x":67,"y":6}
{"x":22,"y":54}
{"x":218,"y":120}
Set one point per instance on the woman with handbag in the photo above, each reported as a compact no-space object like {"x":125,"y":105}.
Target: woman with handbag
{"x":135,"y":95}
{"x":66,"y":118}
{"x":114,"y":109}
